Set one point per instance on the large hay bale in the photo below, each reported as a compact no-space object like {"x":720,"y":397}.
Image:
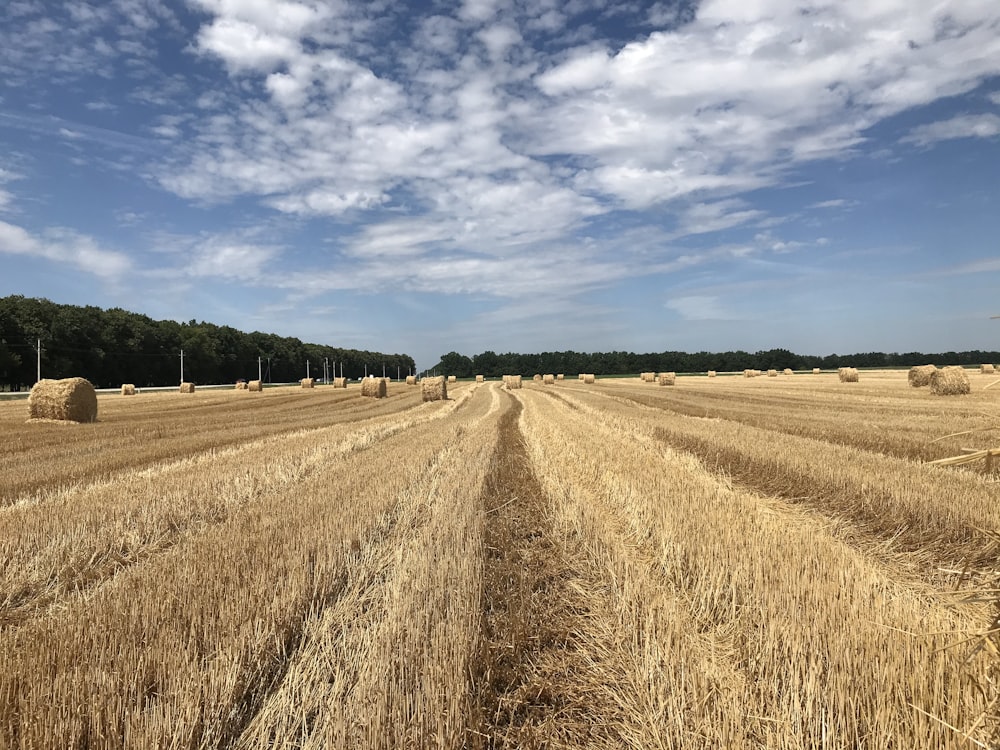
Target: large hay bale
{"x":816,"y":371}
{"x":647,"y":377}
{"x":950,"y":381}
{"x":537,"y":378}
{"x":186,"y":388}
{"x":711,"y":373}
{"x":308,"y":382}
{"x":772,"y":373}
{"x":434,"y":389}
{"x":452,"y":378}
{"x":374,"y":387}
{"x":256,"y":386}
{"x":667,"y":378}
{"x":128,"y":389}
{"x":549,"y":379}
{"x":66,"y":400}
{"x":241,"y":385}
{"x":560,"y":376}
{"x":589,"y":378}
{"x":340,"y":382}
{"x":411,"y":379}
{"x":987,"y":369}
{"x":511,"y":382}
{"x":748,"y":373}
{"x":848,"y":374}
{"x":581,"y":376}
{"x":920,"y":375}
{"x":480,"y":379}
{"x":788,"y":371}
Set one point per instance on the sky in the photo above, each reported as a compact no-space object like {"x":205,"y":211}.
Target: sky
{"x":505,"y":175}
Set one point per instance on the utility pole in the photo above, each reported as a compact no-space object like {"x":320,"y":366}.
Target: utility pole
{"x":366,"y":369}
{"x":307,"y":369}
{"x":259,"y":377}
{"x":383,"y":371}
{"x":182,"y":365}
{"x":39,"y":353}
{"x":341,"y":368}
{"x":397,"y":372}
{"x":268,"y":369}
{"x":326,"y":370}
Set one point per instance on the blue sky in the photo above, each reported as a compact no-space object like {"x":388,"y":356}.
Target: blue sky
{"x":514,"y":176}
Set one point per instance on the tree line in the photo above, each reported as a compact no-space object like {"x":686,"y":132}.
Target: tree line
{"x":111,"y":347}
{"x":492,"y":364}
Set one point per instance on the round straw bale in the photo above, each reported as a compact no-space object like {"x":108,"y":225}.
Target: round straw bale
{"x":340,"y":382}
{"x":128,"y":389}
{"x":452,"y":378}
{"x":549,"y":379}
{"x":66,"y":400}
{"x":374,"y":387}
{"x":711,"y":373}
{"x":772,"y":373}
{"x":308,"y":382}
{"x":950,"y":381}
{"x":667,"y":378}
{"x":589,"y":378}
{"x":987,"y":369}
{"x":920,"y":375}
{"x":748,"y":373}
{"x":788,"y":371}
{"x":434,"y":389}
{"x":241,"y":385}
{"x":256,"y":386}
{"x":480,"y":379}
{"x":580,"y":376}
{"x":816,"y":371}
{"x":560,"y":376}
{"x":411,"y":379}
{"x":537,"y":378}
{"x":648,"y":377}
{"x":186,"y":388}
{"x":848,"y":374}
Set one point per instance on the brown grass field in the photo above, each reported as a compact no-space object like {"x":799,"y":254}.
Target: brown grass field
{"x":728,"y":563}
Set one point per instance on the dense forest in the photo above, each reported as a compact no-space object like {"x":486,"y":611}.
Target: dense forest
{"x":491,"y":364}
{"x":111,"y":347}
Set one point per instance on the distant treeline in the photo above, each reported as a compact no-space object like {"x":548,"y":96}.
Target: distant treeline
{"x":111,"y":347}
{"x":625,"y":363}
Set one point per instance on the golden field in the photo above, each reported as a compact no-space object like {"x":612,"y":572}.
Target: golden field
{"x":721,"y":563}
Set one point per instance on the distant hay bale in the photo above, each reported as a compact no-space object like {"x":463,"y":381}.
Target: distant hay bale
{"x":987,"y":369}
{"x":920,"y":375}
{"x":788,"y":371}
{"x":536,"y":377}
{"x":308,"y":382}
{"x":581,"y":376}
{"x":772,"y":373}
{"x":512,"y":382}
{"x":589,"y":378}
{"x":66,"y":400}
{"x":748,"y":373}
{"x":647,"y":377}
{"x":950,"y":381}
{"x":128,"y":389}
{"x":256,"y":386}
{"x":241,"y":385}
{"x":848,"y":374}
{"x":411,"y":379}
{"x":434,"y":389}
{"x":711,"y":373}
{"x":374,"y":387}
{"x":452,"y":378}
{"x":816,"y":371}
{"x":667,"y":378}
{"x":549,"y":379}
{"x":186,"y":388}
{"x":340,"y":382}
{"x":480,"y":379}
{"x":560,"y":376}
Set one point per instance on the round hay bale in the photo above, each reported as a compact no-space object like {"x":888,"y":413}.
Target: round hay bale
{"x":560,"y":376}
{"x":480,"y":379}
{"x":308,"y":382}
{"x":411,"y":379}
{"x":186,"y":388}
{"x":816,"y":371}
{"x":434,"y":389}
{"x":950,"y":381}
{"x":549,"y":379}
{"x":748,"y":373}
{"x":512,"y":382}
{"x":667,"y":378}
{"x":580,"y":377}
{"x":920,"y":376}
{"x":589,"y":378}
{"x":987,"y":369}
{"x":256,"y":386}
{"x":66,"y":400}
{"x":647,"y":377}
{"x":452,"y":378}
{"x":772,"y":373}
{"x":711,"y":373}
{"x":537,"y":378}
{"x":374,"y":387}
{"x":241,"y":385}
{"x":788,"y":371}
{"x":340,"y":382}
{"x":128,"y":389}
{"x":848,"y":374}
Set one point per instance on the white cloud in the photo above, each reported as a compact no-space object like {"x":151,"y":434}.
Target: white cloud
{"x":833,"y":203}
{"x":961,"y":126}
{"x":64,"y":246}
{"x":697,"y":307}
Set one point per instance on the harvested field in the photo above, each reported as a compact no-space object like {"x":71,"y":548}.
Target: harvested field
{"x":600,"y":565}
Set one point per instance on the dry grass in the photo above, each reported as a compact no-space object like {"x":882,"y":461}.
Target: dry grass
{"x":66,"y":400}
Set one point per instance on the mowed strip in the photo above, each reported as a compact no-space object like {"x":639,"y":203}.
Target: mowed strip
{"x":908,"y":506}
{"x":145,"y":430}
{"x":754,"y":626}
{"x":183,"y":650}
